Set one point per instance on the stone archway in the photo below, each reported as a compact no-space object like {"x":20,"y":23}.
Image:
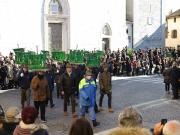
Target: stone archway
{"x":106,"y":37}
{"x":56,"y":25}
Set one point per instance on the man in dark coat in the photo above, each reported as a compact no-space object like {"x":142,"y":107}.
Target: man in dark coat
{"x":24,"y":82}
{"x":166,"y":74}
{"x":68,"y":88}
{"x":175,"y":77}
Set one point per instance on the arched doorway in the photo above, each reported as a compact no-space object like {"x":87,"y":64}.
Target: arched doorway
{"x":106,"y":37}
{"x":56,"y":25}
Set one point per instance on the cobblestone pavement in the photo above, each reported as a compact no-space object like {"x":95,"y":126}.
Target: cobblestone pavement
{"x":146,"y":93}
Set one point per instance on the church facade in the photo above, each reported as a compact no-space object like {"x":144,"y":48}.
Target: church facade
{"x":84,"y":24}
{"x":81,"y":24}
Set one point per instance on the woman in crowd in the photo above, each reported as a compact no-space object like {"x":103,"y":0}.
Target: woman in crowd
{"x":81,"y":127}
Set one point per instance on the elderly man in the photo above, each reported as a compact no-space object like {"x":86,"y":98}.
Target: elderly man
{"x":130,"y":117}
{"x":68,"y":88}
{"x":172,"y":128}
{"x":130,"y":123}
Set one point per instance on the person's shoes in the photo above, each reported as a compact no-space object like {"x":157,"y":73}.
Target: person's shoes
{"x":97,"y":110}
{"x":65,"y":114}
{"x":74,"y":115}
{"x":110,"y":110}
{"x":44,"y":121}
{"x":52,"y":105}
{"x":101,"y":109}
{"x":95,"y":123}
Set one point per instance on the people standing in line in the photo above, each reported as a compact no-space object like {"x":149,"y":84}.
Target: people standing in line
{"x":51,"y":78}
{"x":105,"y":87}
{"x":87,"y":97}
{"x":41,"y":93}
{"x":68,"y":89}
{"x":24,"y":83}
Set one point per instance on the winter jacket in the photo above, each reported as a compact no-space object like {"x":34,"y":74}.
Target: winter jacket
{"x":87,"y":92}
{"x":167,"y":75}
{"x":25,"y":81}
{"x":105,"y":81}
{"x":175,"y":76}
{"x":68,"y":83}
{"x":130,"y":131}
{"x":9,"y":127}
{"x":40,"y":89}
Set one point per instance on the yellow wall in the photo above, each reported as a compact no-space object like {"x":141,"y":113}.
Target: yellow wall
{"x":173,"y":42}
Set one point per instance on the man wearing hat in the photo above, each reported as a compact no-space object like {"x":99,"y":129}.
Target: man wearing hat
{"x":105,"y":87}
{"x":68,"y":88}
{"x":87,"y":97}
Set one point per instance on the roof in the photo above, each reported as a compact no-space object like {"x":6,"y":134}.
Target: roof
{"x":174,"y":14}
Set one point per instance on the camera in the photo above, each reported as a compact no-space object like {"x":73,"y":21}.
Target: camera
{"x":163,"y":121}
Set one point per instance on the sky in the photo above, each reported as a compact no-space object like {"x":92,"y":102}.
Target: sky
{"x":171,"y":4}
{"x":27,"y":33}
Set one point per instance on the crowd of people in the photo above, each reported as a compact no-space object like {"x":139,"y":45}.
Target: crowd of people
{"x":73,"y":82}
{"x":130,"y":122}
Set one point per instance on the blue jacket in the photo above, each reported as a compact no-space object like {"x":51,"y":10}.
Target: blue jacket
{"x":87,"y":92}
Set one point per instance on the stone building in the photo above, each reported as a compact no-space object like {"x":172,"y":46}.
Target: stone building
{"x":173,"y":29}
{"x":145,"y":21}
{"x":81,"y":24}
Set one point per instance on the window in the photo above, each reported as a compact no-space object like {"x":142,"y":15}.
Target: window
{"x":174,"y":20}
{"x":149,"y":20}
{"x":106,"y":30}
{"x":55,"y":7}
{"x":174,"y":34}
